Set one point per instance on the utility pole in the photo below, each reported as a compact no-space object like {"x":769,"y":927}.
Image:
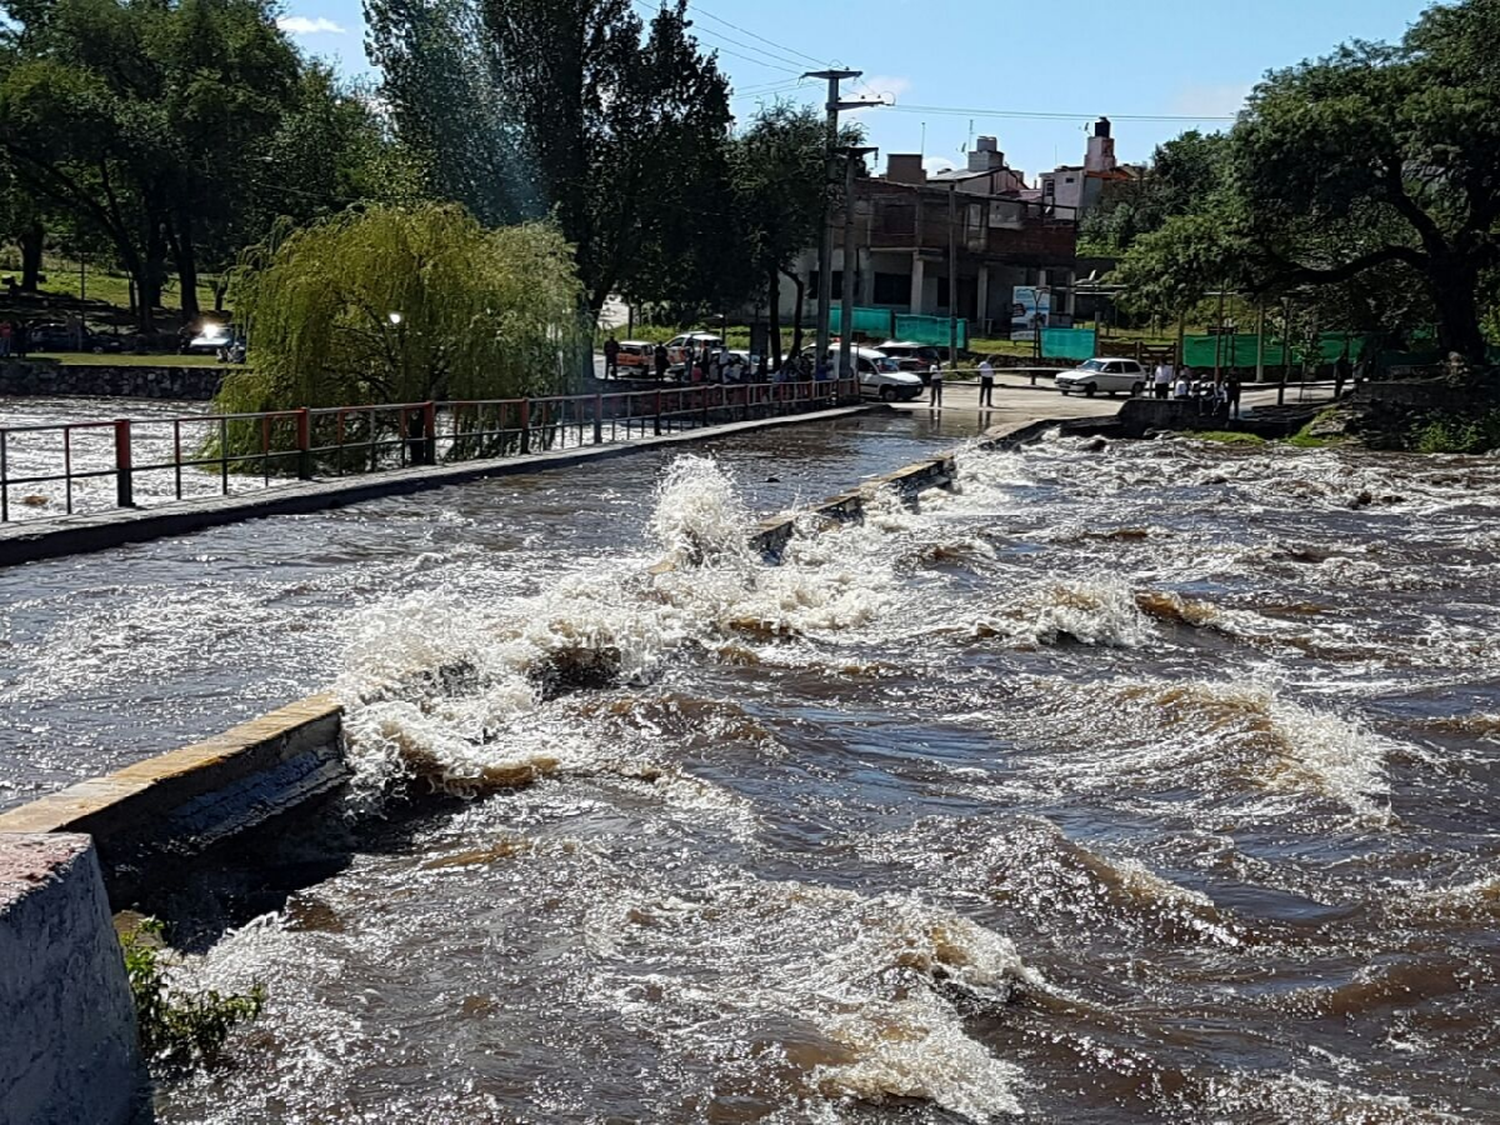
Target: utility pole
{"x":825,"y":244}
{"x":851,"y":254}
{"x":953,"y":277}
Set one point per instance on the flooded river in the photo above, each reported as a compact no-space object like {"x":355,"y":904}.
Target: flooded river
{"x":1131,"y":782}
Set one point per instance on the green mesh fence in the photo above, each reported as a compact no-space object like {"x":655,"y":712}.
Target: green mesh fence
{"x":883,"y":324}
{"x":867,"y":322}
{"x":1068,"y":343}
{"x":929,"y":330}
{"x":1239,"y":350}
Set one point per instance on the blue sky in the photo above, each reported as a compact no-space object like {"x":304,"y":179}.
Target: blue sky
{"x":1086,"y":57}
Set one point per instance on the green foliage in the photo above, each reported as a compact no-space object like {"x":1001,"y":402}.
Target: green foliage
{"x":1371,"y":176}
{"x":479,"y":313}
{"x":1457,"y":433}
{"x":1228,"y":437}
{"x":1184,"y":175}
{"x":781,"y":185}
{"x":177,"y":1029}
{"x":175,"y":132}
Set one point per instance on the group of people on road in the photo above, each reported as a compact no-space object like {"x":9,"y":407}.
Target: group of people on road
{"x":1172,"y":382}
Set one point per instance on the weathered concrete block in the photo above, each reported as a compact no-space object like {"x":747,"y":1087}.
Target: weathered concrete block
{"x":68,"y":1047}
{"x":148,"y":816}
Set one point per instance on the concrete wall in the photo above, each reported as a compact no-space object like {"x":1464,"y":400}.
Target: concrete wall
{"x":147,"y":817}
{"x":773,"y":535}
{"x":49,"y":378}
{"x":68,"y":1048}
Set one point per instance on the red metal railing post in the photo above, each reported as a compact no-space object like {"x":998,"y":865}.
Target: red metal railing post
{"x":124,"y":483}
{"x":429,"y":432}
{"x":304,"y":445}
{"x":525,"y":425}
{"x":598,"y":419}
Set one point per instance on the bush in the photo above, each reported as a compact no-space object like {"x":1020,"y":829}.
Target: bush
{"x":178,"y":1029}
{"x":1456,"y":433}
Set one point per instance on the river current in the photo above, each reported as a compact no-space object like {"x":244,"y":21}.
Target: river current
{"x":1129,"y":782}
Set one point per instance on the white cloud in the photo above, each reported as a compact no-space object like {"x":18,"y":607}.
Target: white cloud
{"x":304,"y":25}
{"x":936,"y":164}
{"x":1224,"y":100}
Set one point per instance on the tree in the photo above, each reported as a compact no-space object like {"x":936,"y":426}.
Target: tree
{"x":1352,"y":178}
{"x":138,"y":119}
{"x":1381,"y":156}
{"x":405,"y":304}
{"x":781,"y":178}
{"x":625,"y":135}
{"x":440,"y":86}
{"x":1184,"y":174}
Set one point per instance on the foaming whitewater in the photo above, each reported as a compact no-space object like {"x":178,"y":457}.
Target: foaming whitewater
{"x":453,"y":692}
{"x":871,"y":992}
{"x":1221,"y":739}
{"x":1100,"y":611}
{"x":1136,"y":782}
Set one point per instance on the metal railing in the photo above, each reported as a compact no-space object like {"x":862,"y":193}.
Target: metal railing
{"x":336,"y":441}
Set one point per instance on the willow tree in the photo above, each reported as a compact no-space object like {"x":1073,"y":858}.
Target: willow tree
{"x":398,"y":304}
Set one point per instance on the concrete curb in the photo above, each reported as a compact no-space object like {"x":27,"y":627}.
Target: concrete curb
{"x":772,"y":536}
{"x":70,"y":535}
{"x":153,"y":813}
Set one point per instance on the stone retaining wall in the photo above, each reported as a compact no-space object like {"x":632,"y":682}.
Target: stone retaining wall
{"x":68,"y":1046}
{"x":48,"y":378}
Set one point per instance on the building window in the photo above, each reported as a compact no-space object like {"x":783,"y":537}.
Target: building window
{"x":1067,"y":179}
{"x":942,"y":292}
{"x":892,"y":288}
{"x":897,"y":219}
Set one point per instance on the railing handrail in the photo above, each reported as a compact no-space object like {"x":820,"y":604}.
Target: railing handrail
{"x":549,"y":415}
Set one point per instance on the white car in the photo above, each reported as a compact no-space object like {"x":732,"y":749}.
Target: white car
{"x":880,"y":376}
{"x":1103,"y":374}
{"x":677,"y":346}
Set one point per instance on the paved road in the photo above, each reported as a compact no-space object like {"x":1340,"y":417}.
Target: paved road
{"x":1016,"y":401}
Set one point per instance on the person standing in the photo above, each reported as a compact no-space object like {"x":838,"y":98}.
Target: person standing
{"x":986,"y":383}
{"x":5,"y":331}
{"x":1341,"y":370}
{"x":1232,"y":394}
{"x":935,"y":387}
{"x":611,"y":357}
{"x":1163,"y":378}
{"x":659,"y":355}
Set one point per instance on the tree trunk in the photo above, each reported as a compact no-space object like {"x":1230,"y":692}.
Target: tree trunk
{"x":773,"y":293}
{"x":152,"y":273}
{"x":31,"y":257}
{"x":1454,"y":293}
{"x":796,"y":316}
{"x":185,"y":255}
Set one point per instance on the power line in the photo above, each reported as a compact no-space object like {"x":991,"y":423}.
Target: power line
{"x":745,"y":31}
{"x":1040,"y":115}
{"x":789,"y":65}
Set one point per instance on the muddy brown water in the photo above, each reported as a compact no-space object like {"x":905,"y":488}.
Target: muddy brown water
{"x":1151,"y":783}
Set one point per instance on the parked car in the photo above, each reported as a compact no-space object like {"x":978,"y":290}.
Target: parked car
{"x":677,"y":346}
{"x":55,"y":336}
{"x":879,"y":375}
{"x":912,"y":356}
{"x":210,"y":338}
{"x":636,"y":354}
{"x":1103,"y":374}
